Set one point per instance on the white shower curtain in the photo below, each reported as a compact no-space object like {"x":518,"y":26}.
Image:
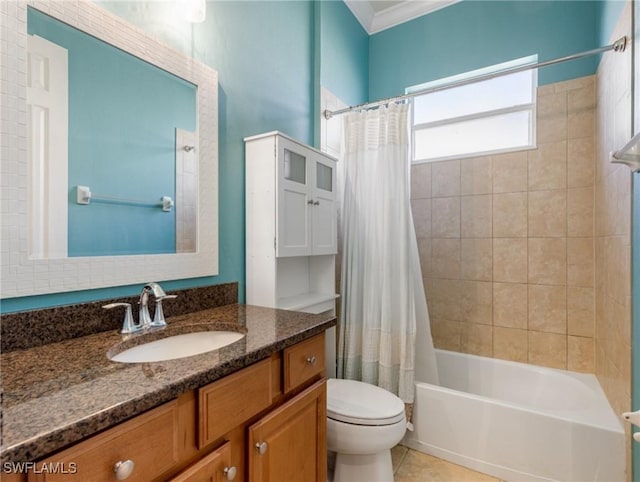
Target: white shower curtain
{"x":383,"y":304}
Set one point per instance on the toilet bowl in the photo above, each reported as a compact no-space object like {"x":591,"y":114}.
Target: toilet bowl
{"x":363,"y":423}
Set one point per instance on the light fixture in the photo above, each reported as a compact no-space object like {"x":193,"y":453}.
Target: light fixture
{"x":195,"y":10}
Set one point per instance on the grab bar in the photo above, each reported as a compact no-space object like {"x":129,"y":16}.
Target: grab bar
{"x":84,"y":196}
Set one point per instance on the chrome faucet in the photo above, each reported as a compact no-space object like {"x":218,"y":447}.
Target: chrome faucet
{"x":158,"y":316}
{"x":144,"y":321}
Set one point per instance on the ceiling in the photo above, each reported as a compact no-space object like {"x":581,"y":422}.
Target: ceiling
{"x":378,"y":15}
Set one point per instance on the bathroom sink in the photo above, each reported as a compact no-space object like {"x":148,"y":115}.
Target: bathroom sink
{"x":176,"y":346}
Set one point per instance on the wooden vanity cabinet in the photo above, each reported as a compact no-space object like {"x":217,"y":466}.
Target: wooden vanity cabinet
{"x":289,"y":444}
{"x":265,"y":422}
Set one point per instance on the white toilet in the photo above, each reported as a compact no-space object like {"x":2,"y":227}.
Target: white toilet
{"x":363,"y":423}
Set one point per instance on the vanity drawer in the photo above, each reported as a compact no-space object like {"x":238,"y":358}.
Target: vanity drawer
{"x":303,"y":361}
{"x":149,"y":441}
{"x":231,"y":401}
{"x":210,"y":468}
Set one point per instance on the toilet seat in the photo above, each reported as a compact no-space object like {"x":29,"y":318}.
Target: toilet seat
{"x":358,"y":403}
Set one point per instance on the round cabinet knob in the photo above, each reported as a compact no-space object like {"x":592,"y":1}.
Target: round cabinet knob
{"x":310,"y":201}
{"x":230,"y":473}
{"x":262,"y":447}
{"x":316,"y":203}
{"x":312,"y":360}
{"x":123,"y":469}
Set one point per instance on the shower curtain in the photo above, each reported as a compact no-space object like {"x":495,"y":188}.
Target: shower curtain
{"x":384,"y":317}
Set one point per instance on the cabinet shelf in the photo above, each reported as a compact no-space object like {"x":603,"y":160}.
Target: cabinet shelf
{"x":304,"y":300}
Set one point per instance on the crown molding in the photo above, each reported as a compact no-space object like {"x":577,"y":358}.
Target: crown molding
{"x":407,"y":10}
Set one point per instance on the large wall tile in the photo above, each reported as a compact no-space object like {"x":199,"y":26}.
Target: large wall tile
{"x":548,"y":213}
{"x":445,"y":258}
{"x":510,"y":305}
{"x":477,"y":259}
{"x":580,"y":211}
{"x":580,"y":267}
{"x":504,"y":240}
{"x":421,"y":209}
{"x":445,"y":178}
{"x":580,"y":354}
{"x":580,"y":311}
{"x":477,"y":339}
{"x":445,"y":217}
{"x":548,"y":261}
{"x":510,"y":215}
{"x":510,"y":172}
{"x":476,"y":216}
{"x":548,"y":349}
{"x":476,"y":302}
{"x":421,"y":181}
{"x":476,"y":176}
{"x":510,"y":344}
{"x":510,"y":260}
{"x":547,"y":166}
{"x":580,"y":162}
{"x":547,"y":308}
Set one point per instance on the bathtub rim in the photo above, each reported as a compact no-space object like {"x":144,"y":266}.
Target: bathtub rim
{"x":612,"y":421}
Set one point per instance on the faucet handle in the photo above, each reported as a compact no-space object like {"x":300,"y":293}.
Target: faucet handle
{"x":128,"y":325}
{"x":158,"y":315}
{"x":166,"y":297}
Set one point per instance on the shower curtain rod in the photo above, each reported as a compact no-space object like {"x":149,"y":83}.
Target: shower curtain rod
{"x":618,"y":46}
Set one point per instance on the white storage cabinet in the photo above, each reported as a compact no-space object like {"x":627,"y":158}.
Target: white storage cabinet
{"x":291,"y":226}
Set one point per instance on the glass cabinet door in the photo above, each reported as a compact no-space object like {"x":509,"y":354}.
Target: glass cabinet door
{"x":324,"y":235}
{"x":295,"y":167}
{"x":324,"y":177}
{"x":295,"y":182}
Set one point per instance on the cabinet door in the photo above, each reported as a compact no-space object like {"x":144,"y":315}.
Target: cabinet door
{"x":289,"y":444}
{"x":293,"y":225}
{"x":215,"y":467}
{"x":324,"y":223}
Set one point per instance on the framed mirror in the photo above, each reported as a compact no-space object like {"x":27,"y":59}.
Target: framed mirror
{"x":28,"y":268}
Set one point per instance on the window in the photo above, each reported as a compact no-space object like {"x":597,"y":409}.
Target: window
{"x":487,"y":117}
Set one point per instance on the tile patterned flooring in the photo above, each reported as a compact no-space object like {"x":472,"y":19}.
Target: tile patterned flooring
{"x":413,"y":466}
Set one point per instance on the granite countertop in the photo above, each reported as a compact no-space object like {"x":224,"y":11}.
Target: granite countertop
{"x":57,"y":394}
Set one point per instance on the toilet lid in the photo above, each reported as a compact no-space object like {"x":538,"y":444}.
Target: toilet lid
{"x":360,"y":403}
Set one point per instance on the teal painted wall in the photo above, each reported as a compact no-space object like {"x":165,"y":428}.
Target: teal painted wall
{"x":344,"y":53}
{"x":474,"y":34}
{"x":263,"y":52}
{"x":608,"y":12}
{"x":114,"y":152}
{"x":266,"y":53}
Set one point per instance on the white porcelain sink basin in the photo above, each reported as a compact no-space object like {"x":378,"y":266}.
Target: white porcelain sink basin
{"x":177,"y":346}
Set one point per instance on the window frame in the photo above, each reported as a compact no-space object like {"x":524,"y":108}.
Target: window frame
{"x":530,"y":107}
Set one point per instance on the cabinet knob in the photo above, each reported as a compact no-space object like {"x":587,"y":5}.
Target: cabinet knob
{"x":230,"y":473}
{"x":123,"y":469}
{"x":261,"y":447}
{"x":310,"y":201}
{"x":316,"y":203}
{"x":312,"y":360}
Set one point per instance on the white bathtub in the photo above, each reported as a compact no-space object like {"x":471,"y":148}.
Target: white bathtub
{"x":518,"y":422}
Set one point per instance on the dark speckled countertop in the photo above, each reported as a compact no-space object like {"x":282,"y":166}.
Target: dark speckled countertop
{"x":57,"y":394}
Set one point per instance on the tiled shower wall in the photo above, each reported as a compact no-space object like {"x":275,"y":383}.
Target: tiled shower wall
{"x":506,"y":241}
{"x":613,"y":225}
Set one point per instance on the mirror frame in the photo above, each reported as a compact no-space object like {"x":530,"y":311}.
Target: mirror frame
{"x":22,"y":276}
